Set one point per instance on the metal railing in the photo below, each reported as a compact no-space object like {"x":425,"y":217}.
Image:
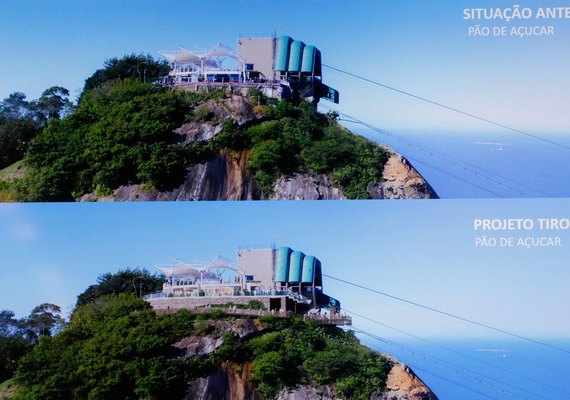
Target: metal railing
{"x":325,"y":319}
{"x":257,"y":293}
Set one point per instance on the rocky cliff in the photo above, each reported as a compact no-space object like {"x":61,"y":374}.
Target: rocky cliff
{"x":232,"y":381}
{"x":404,"y":384}
{"x":227,"y":175}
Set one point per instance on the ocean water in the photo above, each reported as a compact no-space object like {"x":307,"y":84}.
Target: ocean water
{"x":485,"y":368}
{"x":486,"y":165}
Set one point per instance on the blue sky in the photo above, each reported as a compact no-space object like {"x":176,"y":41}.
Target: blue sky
{"x":419,"y":46}
{"x":423,"y":251}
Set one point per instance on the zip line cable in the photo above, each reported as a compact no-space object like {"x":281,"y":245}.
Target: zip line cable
{"x":456,"y":110}
{"x":497,"y":175}
{"x":452,"y":160}
{"x":425,"y":356}
{"x":464,"y":355}
{"x":442,"y":156}
{"x":434,"y":153}
{"x":460,"y":318}
{"x":445,"y":365}
{"x":416,"y":161}
{"x":431,"y":152}
{"x":416,"y":368}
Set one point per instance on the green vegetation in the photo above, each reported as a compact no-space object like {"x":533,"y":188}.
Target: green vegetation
{"x":130,"y":281}
{"x":6,"y":385}
{"x":11,"y":169}
{"x":22,"y":120}
{"x":296,"y":138}
{"x":116,"y":347}
{"x":19,"y":336}
{"x":121,"y":132}
{"x":7,"y":192}
{"x":300,"y":352}
{"x":134,"y":66}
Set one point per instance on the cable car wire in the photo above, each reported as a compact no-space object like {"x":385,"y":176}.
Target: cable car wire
{"x":510,"y":128}
{"x":446,"y":365}
{"x":509,"y":371}
{"x":434,"y":153}
{"x":455,"y":316}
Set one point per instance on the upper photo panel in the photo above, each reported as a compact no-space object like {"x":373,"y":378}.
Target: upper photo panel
{"x":261,"y":100}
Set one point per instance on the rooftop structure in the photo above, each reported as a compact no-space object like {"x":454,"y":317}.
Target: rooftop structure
{"x":209,"y":66}
{"x":285,"y":281}
{"x":270,"y":62}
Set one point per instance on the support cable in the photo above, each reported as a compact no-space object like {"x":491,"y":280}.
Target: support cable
{"x":452,"y":160}
{"x":448,"y":366}
{"x":433,"y":153}
{"x":460,"y":318}
{"x":416,"y":161}
{"x":456,"y":110}
{"x":464,"y":355}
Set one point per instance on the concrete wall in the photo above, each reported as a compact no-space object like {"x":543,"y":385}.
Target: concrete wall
{"x":174,"y":303}
{"x":259,"y":263}
{"x":259,"y":52}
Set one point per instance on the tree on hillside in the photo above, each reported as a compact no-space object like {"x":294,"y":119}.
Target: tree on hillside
{"x":12,"y":344}
{"x":8,"y":324}
{"x":12,"y":349}
{"x":133,"y":281}
{"x":44,"y":320}
{"x":22,"y":120}
{"x":19,"y":336}
{"x":53,"y":104}
{"x":143,"y":68}
{"x":120,"y":133}
{"x":114,"y":348}
{"x":117,"y":347}
{"x":15,"y":106}
{"x":17,"y":127}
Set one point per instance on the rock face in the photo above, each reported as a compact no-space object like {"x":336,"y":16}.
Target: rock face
{"x":223,"y":178}
{"x":305,"y":187}
{"x":231,"y":382}
{"x":403,"y":384}
{"x":226,"y":176}
{"x":401,"y":181}
{"x":305,"y":392}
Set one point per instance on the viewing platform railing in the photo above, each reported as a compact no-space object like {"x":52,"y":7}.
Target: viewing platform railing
{"x":262,"y":293}
{"x":320,"y":319}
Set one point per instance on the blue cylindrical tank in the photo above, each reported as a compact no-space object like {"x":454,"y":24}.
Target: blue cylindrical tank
{"x":308,"y":59}
{"x":282,"y":53}
{"x":308,"y":269}
{"x":295,"y":56}
{"x":282,"y":264}
{"x":295,"y":266}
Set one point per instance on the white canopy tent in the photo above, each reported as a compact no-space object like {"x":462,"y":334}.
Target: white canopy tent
{"x":212,"y":58}
{"x":197,"y":269}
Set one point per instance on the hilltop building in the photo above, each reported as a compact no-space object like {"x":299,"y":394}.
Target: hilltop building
{"x":285,"y":281}
{"x":280,"y":66}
